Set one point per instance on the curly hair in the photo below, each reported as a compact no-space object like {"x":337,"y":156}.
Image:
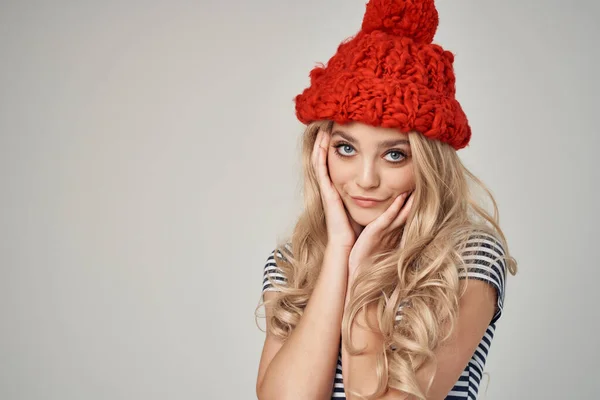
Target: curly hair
{"x":419,"y":276}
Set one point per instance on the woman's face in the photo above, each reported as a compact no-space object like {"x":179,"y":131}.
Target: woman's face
{"x":369,"y":162}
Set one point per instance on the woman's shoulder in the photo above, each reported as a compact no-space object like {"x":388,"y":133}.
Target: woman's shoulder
{"x":482,"y":242}
{"x":484,"y":237}
{"x":484,"y":259}
{"x":483,"y":248}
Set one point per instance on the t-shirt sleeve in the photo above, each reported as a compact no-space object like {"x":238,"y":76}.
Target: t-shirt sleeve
{"x":272,"y":275}
{"x":483,"y":256}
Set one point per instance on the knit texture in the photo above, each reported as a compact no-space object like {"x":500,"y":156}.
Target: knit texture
{"x":391,"y":75}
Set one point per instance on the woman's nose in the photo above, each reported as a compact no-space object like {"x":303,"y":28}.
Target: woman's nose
{"x":367,"y":176}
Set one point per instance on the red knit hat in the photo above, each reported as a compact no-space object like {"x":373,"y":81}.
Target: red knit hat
{"x":390,"y":75}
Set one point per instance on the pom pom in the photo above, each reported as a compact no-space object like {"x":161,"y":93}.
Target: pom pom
{"x":416,"y":19}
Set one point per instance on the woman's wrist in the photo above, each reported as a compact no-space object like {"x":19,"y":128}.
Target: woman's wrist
{"x":338,"y":250}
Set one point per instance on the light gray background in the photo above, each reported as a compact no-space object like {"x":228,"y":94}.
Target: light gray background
{"x":149,"y":159}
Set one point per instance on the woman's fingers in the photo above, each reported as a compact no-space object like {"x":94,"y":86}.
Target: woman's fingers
{"x":382,"y":222}
{"x":319,"y":160}
{"x":403,"y":214}
{"x":322,"y":173}
{"x":315,"y":152}
{"x":394,"y":217}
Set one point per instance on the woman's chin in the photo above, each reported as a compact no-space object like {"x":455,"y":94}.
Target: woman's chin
{"x":364,"y":216}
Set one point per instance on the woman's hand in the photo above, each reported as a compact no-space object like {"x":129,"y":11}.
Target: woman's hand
{"x":339,"y":229}
{"x":381,"y":233}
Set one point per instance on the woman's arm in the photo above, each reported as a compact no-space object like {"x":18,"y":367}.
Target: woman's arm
{"x":476,"y":308}
{"x":304,"y":366}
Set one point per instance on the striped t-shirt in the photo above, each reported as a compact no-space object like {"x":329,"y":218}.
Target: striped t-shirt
{"x":481,"y":258}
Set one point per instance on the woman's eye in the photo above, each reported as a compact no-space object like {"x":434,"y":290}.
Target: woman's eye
{"x":395,"y":156}
{"x":345,"y":149}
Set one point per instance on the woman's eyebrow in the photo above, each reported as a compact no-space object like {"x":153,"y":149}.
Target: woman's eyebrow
{"x":385,"y":143}
{"x":390,"y":143}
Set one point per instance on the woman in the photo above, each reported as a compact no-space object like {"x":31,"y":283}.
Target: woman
{"x":393,"y":280}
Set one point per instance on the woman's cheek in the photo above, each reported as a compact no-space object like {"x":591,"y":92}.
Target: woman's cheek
{"x":402,"y":180}
{"x":335,"y":169}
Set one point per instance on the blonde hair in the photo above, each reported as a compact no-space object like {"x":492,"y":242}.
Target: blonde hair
{"x":420,"y":273}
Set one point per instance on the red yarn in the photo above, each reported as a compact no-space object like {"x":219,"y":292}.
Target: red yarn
{"x":390,"y":75}
{"x":415,"y":19}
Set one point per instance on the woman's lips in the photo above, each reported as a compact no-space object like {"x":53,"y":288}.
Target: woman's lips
{"x":365,"y":203}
